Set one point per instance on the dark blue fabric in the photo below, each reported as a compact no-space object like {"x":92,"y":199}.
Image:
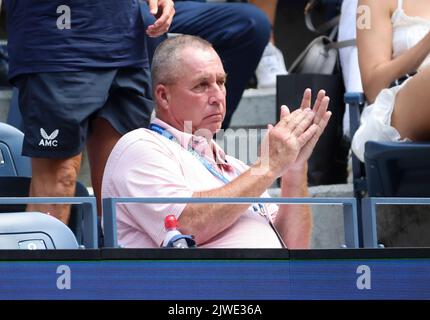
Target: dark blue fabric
{"x":103,"y":34}
{"x":239,"y":33}
{"x":57,"y":107}
{"x":4,"y":66}
{"x":14,"y":117}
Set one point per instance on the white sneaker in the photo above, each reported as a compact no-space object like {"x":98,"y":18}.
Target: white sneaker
{"x":271,"y":64}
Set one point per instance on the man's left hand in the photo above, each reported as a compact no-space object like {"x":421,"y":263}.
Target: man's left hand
{"x":321,"y":119}
{"x":163,"y":10}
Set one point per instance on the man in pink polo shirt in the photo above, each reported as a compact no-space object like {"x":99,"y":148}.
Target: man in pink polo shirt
{"x":177,"y":157}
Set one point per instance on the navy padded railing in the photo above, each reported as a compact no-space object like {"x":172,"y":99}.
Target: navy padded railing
{"x":90,"y":237}
{"x":349,"y":212}
{"x":355,"y":102}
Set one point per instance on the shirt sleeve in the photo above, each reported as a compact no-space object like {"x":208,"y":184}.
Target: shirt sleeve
{"x":147,"y":168}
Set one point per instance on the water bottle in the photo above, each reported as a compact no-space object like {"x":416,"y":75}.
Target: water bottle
{"x":174,"y":237}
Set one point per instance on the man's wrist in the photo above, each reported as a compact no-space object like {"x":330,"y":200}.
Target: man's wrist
{"x":263,"y":169}
{"x":295,"y":181}
{"x":297,"y":168}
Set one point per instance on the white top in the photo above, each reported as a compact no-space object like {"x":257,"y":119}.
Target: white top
{"x":408,"y":31}
{"x":376,"y":118}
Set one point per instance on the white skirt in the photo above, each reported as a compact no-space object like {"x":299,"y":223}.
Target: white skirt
{"x":375,"y":122}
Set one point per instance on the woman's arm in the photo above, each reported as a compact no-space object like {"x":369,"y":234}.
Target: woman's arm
{"x":377,"y":67}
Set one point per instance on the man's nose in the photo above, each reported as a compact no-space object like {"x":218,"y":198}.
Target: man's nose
{"x":217,"y":95}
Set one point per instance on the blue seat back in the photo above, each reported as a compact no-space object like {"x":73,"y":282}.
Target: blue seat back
{"x":34,"y":230}
{"x":397,"y":169}
{"x":12,"y":163}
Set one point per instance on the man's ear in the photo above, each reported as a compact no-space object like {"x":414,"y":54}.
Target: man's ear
{"x":162,"y":96}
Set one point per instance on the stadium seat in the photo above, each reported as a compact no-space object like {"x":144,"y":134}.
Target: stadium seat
{"x":15,"y":177}
{"x":34,"y":230}
{"x":20,"y":186}
{"x":398,"y":169}
{"x":390,"y":169}
{"x":12,"y":163}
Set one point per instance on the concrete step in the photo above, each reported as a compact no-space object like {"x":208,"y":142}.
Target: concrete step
{"x":256,"y":109}
{"x":249,"y":124}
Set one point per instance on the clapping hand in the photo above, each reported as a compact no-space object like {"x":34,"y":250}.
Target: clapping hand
{"x":321,"y":118}
{"x":289,"y":144}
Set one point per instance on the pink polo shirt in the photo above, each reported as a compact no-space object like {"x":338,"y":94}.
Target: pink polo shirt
{"x":146,"y":164}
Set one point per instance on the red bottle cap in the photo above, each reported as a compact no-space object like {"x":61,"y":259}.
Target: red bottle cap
{"x":170,"y":222}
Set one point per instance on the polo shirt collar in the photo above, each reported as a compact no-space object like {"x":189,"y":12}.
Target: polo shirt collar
{"x":210,"y":150}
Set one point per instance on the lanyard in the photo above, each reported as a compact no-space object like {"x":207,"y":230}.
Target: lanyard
{"x":160,"y":130}
{"x":257,"y":208}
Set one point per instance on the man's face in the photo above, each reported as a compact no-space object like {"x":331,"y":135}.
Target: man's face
{"x":198,"y":97}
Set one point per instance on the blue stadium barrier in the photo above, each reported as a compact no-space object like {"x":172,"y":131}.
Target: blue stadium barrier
{"x":370,"y":235}
{"x":90,"y":237}
{"x":349,"y":212}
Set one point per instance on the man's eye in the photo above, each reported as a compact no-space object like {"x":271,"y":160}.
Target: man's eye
{"x":202,"y":86}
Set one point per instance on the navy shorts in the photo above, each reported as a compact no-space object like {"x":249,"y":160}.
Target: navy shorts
{"x":57,"y":107}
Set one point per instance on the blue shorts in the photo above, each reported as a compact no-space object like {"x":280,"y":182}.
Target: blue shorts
{"x":57,"y":107}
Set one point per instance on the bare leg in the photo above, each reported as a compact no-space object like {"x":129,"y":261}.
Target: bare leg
{"x":269,"y":8}
{"x":100,"y":144}
{"x":411,"y":115}
{"x":54,"y":178}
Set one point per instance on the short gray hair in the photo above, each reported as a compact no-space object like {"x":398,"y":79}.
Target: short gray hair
{"x":167,"y":58}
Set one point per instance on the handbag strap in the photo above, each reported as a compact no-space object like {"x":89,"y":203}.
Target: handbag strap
{"x":333,"y":44}
{"x":341,"y":44}
{"x":332,"y":24}
{"x":322,"y":28}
